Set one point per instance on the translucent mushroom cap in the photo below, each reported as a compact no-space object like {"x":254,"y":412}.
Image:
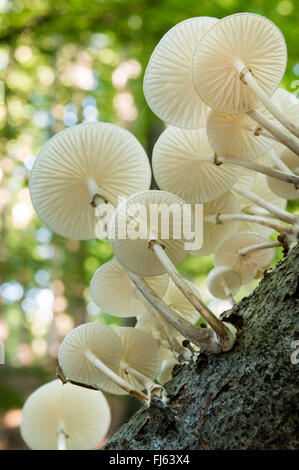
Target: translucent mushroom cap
{"x":114,"y":292}
{"x":82,"y":415}
{"x":167,"y":85}
{"x":221,"y":278}
{"x":100,"y":340}
{"x":246,"y":266}
{"x":288,"y":103}
{"x":281,"y":188}
{"x":136,"y":223}
{"x":233,"y":136}
{"x":214,"y":233}
{"x":248,"y":37}
{"x":109,"y":156}
{"x":139,"y":351}
{"x":182,"y":165}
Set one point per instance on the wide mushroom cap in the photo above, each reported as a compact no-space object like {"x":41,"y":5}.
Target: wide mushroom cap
{"x":114,"y":292}
{"x":101,"y":341}
{"x":79,"y":162}
{"x":247,"y":265}
{"x":167,"y":85}
{"x":182,"y":165}
{"x":82,"y":415}
{"x":136,"y":217}
{"x":222,"y":278}
{"x":246,"y":37}
{"x":281,"y":188}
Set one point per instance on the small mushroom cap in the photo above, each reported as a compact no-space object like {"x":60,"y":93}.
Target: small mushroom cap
{"x":140,"y":351}
{"x":106,"y":153}
{"x":245,"y":36}
{"x":246,"y":266}
{"x":220,"y":276}
{"x":114,"y":292}
{"x":99,"y":339}
{"x":135,"y":254}
{"x":167,"y":85}
{"x":281,"y":188}
{"x":180,"y":166}
{"x":82,"y":414}
{"x":232,"y":135}
{"x":261,"y":189}
{"x":215,"y":233}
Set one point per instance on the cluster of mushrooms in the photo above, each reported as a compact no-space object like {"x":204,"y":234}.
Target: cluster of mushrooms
{"x":231,"y":144}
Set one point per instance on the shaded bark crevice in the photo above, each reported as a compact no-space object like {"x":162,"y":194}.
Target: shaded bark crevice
{"x":244,"y":399}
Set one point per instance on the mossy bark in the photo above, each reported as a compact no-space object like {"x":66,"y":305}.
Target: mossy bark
{"x":244,"y":399}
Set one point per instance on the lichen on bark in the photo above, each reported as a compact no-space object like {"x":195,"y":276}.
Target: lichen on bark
{"x":243,"y":399}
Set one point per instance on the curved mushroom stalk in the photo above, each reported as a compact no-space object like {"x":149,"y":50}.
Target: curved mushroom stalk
{"x":153,"y":389}
{"x":276,"y":211}
{"x":221,"y":218}
{"x":265,"y":170}
{"x":274,"y":132}
{"x":223,"y":333}
{"x":260,"y":246}
{"x":205,"y":338}
{"x":126,"y":386}
{"x":246,"y":76}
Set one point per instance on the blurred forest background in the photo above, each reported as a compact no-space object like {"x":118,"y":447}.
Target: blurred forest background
{"x":61,"y":63}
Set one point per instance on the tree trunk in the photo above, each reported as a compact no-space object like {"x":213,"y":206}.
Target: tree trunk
{"x":244,"y":399}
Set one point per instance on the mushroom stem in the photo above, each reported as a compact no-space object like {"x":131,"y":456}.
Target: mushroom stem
{"x":61,"y":440}
{"x":218,"y":326}
{"x":150,"y":386}
{"x":171,"y":342}
{"x":258,"y":246}
{"x":279,"y":213}
{"x":265,"y":170}
{"x":204,"y":338}
{"x":275,"y":132}
{"x":219,"y":218}
{"x":227,"y":291}
{"x":279,"y":163}
{"x":116,"y":379}
{"x":247,"y":78}
{"x":95,"y":193}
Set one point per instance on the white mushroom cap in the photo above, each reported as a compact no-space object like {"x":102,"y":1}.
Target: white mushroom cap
{"x":220,"y":277}
{"x":114,"y":292}
{"x":83,"y":415}
{"x":135,"y":254}
{"x":232,"y":135}
{"x":261,"y":189}
{"x":167,"y":85}
{"x":139,"y":351}
{"x":254,"y":40}
{"x":109,"y":156}
{"x":246,"y":266}
{"x":168,"y":364}
{"x":214,"y":233}
{"x":100,"y":340}
{"x":180,"y":166}
{"x":281,"y":188}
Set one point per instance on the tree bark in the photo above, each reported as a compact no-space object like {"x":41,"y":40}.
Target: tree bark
{"x":244,"y":399}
